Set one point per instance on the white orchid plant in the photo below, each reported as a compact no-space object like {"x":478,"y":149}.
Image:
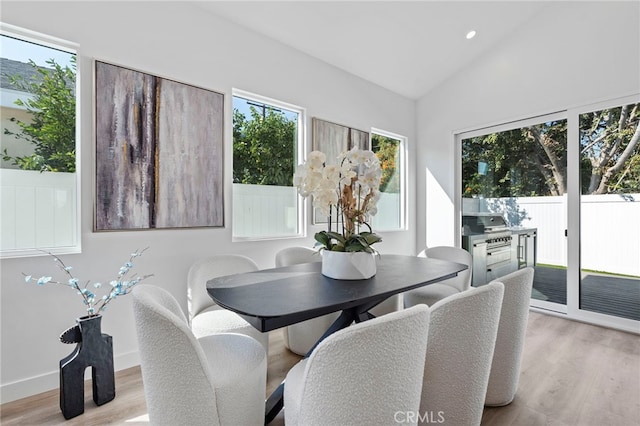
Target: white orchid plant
{"x":349,"y":188}
{"x":123,"y":284}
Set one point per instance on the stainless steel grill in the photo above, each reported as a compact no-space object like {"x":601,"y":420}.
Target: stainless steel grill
{"x":490,"y":241}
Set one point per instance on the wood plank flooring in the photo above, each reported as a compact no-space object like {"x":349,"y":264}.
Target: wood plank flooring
{"x":572,"y":374}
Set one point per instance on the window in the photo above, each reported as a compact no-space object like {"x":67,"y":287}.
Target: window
{"x":267,"y":139}
{"x":39,"y":168}
{"x":390,"y":150}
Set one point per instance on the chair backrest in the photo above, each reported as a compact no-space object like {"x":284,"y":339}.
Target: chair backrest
{"x":177,"y":380}
{"x":366,"y":373}
{"x":505,"y":368}
{"x":295,"y":255}
{"x":203,"y":270}
{"x":462,"y":334}
{"x":462,"y":281}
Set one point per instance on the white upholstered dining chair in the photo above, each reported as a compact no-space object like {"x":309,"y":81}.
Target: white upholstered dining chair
{"x":462,"y":335}
{"x":299,"y":338}
{"x":507,"y":355}
{"x":205,"y":316}
{"x":432,"y":293}
{"x":215,"y":380}
{"x":361,"y":375}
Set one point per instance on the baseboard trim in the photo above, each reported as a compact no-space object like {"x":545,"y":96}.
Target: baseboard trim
{"x":50,"y":381}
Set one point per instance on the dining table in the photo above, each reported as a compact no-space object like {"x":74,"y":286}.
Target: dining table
{"x":269,"y":299}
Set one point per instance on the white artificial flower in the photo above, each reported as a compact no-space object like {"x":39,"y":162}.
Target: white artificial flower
{"x":324,"y":199}
{"x":300,"y":175}
{"x":356,"y":156}
{"x":316,"y":161}
{"x":347,"y":173}
{"x":371,"y":178}
{"x":331,"y":173}
{"x":370,"y":159}
{"x":356,"y":168}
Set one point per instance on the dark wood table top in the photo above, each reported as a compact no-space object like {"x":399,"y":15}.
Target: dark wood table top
{"x":274,"y":298}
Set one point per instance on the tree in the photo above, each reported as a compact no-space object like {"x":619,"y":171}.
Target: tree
{"x":263,"y":148}
{"x":515,"y":162}
{"x":533,"y":160}
{"x":610,"y":149}
{"x":387,"y":150}
{"x":52,"y":129}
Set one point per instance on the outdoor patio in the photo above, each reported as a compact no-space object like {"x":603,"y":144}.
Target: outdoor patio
{"x":612,"y":295}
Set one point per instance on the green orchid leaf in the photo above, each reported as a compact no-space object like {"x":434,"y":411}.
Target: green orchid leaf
{"x":371,"y":238}
{"x":323,"y":238}
{"x":336,"y":236}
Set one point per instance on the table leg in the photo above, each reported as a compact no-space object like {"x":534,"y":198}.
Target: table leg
{"x":343,"y":321}
{"x":274,"y":403}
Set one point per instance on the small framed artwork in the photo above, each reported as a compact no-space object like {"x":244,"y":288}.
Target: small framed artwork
{"x":333,"y":139}
{"x":159,"y":159}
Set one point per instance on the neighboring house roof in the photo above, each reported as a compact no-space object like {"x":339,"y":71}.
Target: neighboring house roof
{"x":9,"y":67}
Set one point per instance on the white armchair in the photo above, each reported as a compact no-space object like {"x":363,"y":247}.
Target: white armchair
{"x":462,"y":335}
{"x":299,"y":338}
{"x":205,"y":316}
{"x":505,"y":368}
{"x":215,"y":380}
{"x":362,"y":375}
{"x":433,"y":293}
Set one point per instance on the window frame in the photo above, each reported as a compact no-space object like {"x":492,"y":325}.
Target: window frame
{"x":298,"y":158}
{"x":402,"y":176}
{"x":72,"y":48}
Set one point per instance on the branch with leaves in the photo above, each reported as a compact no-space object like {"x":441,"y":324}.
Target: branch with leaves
{"x":122,"y":285}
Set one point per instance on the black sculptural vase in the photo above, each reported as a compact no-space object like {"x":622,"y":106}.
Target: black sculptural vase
{"x":94,"y":349}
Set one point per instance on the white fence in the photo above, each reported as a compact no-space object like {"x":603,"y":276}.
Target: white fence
{"x":264,"y":211}
{"x":271,"y":211}
{"x":610,"y":236}
{"x":37,"y":209}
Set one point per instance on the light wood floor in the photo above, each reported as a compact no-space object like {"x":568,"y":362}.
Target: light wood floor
{"x":572,"y":374}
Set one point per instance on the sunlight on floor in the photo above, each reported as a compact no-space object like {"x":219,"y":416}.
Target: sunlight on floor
{"x":140,"y":419}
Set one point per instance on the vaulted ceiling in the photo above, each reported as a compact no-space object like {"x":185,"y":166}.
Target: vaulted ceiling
{"x":408,"y":47}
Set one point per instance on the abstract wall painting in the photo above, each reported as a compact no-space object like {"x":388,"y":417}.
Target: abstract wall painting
{"x":159,"y":152}
{"x":332,"y":139}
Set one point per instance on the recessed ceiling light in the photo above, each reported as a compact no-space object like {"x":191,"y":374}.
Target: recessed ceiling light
{"x":471,"y":34}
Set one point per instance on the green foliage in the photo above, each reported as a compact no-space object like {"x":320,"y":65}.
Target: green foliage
{"x":512,"y":162}
{"x":334,"y":241}
{"x":532,"y":161}
{"x":388,"y":151}
{"x":52,"y":129}
{"x":263,"y":148}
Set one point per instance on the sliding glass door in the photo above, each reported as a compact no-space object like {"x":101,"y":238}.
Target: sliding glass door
{"x":610,"y":211}
{"x":519,"y":171}
{"x":568,"y":186}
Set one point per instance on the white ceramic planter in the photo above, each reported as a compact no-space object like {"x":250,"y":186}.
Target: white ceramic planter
{"x":348,"y":266}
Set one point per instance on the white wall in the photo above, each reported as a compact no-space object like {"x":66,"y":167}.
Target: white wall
{"x":573,"y":53}
{"x":181,"y":42}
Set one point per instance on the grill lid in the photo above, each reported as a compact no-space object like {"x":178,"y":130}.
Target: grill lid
{"x":483,"y":223}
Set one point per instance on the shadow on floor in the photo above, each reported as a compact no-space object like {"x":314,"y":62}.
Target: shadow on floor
{"x":609,"y":295}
